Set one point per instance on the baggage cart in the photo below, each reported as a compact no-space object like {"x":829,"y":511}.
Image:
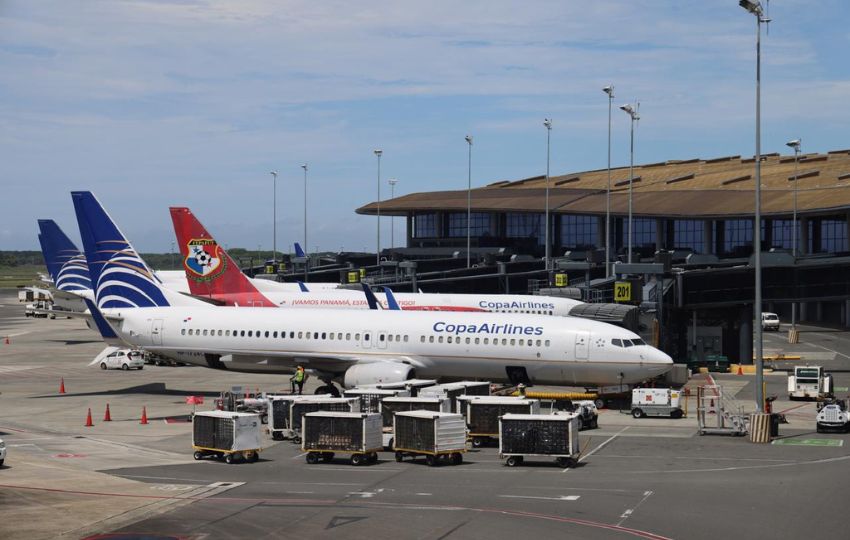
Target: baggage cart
{"x":539,"y":435}
{"x":439,"y":436}
{"x":483,"y":413}
{"x":370,"y":397}
{"x":231,"y":436}
{"x":413,"y":386}
{"x":285,"y":413}
{"x":456,"y":391}
{"x":327,"y":433}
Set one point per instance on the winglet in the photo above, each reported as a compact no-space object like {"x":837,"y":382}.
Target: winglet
{"x":303,"y":287}
{"x":298,"y":251}
{"x":391,"y":301}
{"x":370,"y":296}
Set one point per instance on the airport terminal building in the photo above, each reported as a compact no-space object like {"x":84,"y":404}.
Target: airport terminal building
{"x":695,"y":216}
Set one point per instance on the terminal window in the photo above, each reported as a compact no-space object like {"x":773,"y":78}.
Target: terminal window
{"x":579,"y":231}
{"x":689,"y":234}
{"x":525,"y":226}
{"x":644,"y":232}
{"x":783,"y":233}
{"x":425,"y":226}
{"x":833,"y":235}
{"x":479,"y":224}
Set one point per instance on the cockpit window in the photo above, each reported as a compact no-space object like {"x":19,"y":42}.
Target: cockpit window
{"x":638,"y":342}
{"x":627,"y":343}
{"x":616,"y":343}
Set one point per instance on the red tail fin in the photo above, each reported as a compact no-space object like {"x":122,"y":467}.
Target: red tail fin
{"x":209,"y":269}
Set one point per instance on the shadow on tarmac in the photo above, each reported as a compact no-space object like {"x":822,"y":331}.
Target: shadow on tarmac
{"x":151,"y":388}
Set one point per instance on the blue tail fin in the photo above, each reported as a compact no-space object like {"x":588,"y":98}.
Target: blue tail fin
{"x":303,"y":287}
{"x":298,"y":251}
{"x":370,"y":296}
{"x":120,"y":277}
{"x":65,"y":263}
{"x":391,"y":301}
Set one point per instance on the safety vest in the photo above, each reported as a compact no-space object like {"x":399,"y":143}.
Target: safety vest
{"x":299,"y":375}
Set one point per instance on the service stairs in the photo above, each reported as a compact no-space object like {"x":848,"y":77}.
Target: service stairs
{"x":718,"y":413}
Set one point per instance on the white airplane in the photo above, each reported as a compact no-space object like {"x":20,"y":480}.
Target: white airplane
{"x":211,"y":273}
{"x":370,"y":347}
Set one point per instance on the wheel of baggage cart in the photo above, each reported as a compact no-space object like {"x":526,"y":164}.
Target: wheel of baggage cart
{"x":564,"y":462}
{"x":477,"y":442}
{"x":357,"y":459}
{"x":637,"y":413}
{"x":198,"y":455}
{"x":513,"y":461}
{"x":431,"y":460}
{"x":399,"y":457}
{"x":676,"y":414}
{"x":457,"y":458}
{"x":255,"y":456}
{"x":312,"y":458}
{"x":373,"y":457}
{"x":277,"y":435}
{"x":229,"y":459}
{"x":327,"y":456}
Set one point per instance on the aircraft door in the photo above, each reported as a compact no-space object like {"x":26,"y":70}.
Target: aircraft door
{"x":366,"y":341}
{"x":582,"y":345}
{"x":382,"y":339}
{"x":156,"y":332}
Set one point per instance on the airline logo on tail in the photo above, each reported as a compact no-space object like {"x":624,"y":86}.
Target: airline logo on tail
{"x":204,"y":261}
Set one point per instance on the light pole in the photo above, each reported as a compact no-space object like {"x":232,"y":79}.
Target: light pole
{"x":755,"y":8}
{"x":379,"y":153}
{"x":392,"y":182}
{"x":274,"y":217}
{"x":548,"y":123}
{"x":306,"y":245}
{"x":468,"y":139}
{"x":796,"y":145}
{"x":610,"y":91}
{"x":633,"y":114}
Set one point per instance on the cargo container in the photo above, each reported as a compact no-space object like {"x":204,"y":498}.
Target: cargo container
{"x":285,"y":413}
{"x":413,"y":386}
{"x":439,"y":436}
{"x":233,"y":436}
{"x":392,"y":405}
{"x":327,"y":433}
{"x":482,"y":415}
{"x":370,"y":398}
{"x":456,"y":390}
{"x":539,"y":435}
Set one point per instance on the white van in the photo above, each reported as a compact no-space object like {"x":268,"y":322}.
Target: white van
{"x":770,"y":321}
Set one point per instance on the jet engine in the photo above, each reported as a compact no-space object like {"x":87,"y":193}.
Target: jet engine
{"x":378,"y":372}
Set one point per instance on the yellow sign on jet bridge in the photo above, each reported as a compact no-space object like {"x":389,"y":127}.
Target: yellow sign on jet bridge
{"x":622,"y":291}
{"x":561,"y":280}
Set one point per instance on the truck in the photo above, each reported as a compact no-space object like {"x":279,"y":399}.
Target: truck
{"x":833,"y":416}
{"x":656,"y":402}
{"x":809,"y":382}
{"x":231,"y":436}
{"x":539,"y":435}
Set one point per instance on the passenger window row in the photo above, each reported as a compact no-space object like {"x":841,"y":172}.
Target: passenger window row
{"x":331,"y":336}
{"x":485,"y":341}
{"x":530,"y":311}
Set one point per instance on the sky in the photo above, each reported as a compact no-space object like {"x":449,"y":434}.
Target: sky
{"x":154,"y":103}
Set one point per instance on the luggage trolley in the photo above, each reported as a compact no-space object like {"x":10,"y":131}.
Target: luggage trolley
{"x":231,"y":436}
{"x":439,"y":436}
{"x":327,"y":433}
{"x":539,"y":435}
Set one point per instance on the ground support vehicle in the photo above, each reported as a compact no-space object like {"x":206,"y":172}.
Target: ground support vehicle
{"x":656,"y":402}
{"x":809,"y":382}
{"x":483,"y":413}
{"x":370,"y":398}
{"x":230,"y":436}
{"x":833,"y":416}
{"x":455,"y":391}
{"x":438,"y":436}
{"x":327,"y":433}
{"x":539,"y":435}
{"x":770,"y":321}
{"x":286,"y":412}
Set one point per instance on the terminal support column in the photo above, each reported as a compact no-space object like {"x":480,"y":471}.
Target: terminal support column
{"x":745,"y":338}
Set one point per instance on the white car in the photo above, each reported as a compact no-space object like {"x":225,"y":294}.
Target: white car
{"x":2,"y":452}
{"x":123,"y":359}
{"x":770,"y":321}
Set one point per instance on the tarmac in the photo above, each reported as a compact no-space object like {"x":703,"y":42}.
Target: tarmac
{"x":647,"y":478}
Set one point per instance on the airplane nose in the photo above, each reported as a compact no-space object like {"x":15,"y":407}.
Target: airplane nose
{"x":662,"y":362}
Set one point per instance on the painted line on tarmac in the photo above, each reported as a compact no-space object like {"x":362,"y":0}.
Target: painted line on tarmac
{"x":827,"y":348}
{"x":561,"y":498}
{"x":192,"y":480}
{"x":630,"y":512}
{"x":746,"y":467}
{"x":600,"y":447}
{"x":302,"y":454}
{"x":693,"y":458}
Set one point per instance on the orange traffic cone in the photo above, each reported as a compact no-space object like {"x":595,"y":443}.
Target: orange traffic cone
{"x":106,"y":416}
{"x":144,"y":415}
{"x":740,"y":369}
{"x":89,"y":423}
{"x":62,"y":385}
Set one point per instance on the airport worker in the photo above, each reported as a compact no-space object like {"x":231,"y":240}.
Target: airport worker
{"x":298,"y":379}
